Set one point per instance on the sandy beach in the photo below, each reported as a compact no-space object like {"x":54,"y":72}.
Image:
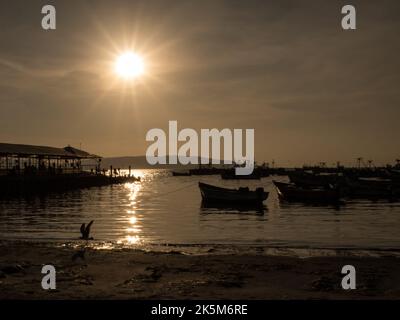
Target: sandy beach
{"x":136,"y":274}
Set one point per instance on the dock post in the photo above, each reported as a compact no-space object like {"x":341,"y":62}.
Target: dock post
{"x":111,"y":172}
{"x":129,"y":171}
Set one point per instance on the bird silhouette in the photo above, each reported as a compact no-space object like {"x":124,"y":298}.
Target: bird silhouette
{"x":85,"y":231}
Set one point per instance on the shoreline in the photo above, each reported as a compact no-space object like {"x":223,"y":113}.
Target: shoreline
{"x":300,"y":251}
{"x":128,"y":273}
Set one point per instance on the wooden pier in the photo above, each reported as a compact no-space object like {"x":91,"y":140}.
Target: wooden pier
{"x":27,"y":169}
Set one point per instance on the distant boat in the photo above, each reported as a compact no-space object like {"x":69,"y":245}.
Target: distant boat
{"x":212,"y":193}
{"x":180,"y":174}
{"x":395,"y":175}
{"x":201,"y":171}
{"x":291,"y":192}
{"x":231,"y":175}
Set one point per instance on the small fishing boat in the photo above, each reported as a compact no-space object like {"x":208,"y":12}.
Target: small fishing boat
{"x":180,"y":174}
{"x":370,"y":187}
{"x":231,"y":175}
{"x":211,"y":193}
{"x":208,"y":171}
{"x":309,"y":180}
{"x":291,"y":192}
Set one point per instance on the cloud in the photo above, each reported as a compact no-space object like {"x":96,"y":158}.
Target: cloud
{"x":285,"y":68}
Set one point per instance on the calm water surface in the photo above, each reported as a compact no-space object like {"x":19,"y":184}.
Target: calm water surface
{"x":167,"y":210}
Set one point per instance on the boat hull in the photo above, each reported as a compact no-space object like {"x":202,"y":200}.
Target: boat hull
{"x":371,"y":188}
{"x":181,"y":174}
{"x":295,"y":194}
{"x":307,"y":180}
{"x":231,"y":175}
{"x":211,"y":193}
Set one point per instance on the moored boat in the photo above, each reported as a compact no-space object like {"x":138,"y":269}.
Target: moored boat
{"x":180,"y":174}
{"x":310,"y":180}
{"x":212,"y":193}
{"x":205,"y":171}
{"x":291,"y":192}
{"x":230,"y":174}
{"x":371,"y":187}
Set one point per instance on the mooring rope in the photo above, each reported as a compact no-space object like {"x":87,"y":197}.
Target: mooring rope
{"x":179,"y":189}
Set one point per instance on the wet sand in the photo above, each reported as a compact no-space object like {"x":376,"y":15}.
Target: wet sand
{"x":135,"y":274}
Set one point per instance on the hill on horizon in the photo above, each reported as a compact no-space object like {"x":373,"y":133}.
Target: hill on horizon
{"x":140,"y":162}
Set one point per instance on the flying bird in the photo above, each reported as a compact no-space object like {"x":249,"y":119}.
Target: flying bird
{"x":85,"y":231}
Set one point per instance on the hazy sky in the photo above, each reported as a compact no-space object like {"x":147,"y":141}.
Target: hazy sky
{"x":312,"y":91}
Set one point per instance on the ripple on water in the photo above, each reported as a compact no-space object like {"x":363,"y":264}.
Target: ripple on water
{"x":150,"y":212}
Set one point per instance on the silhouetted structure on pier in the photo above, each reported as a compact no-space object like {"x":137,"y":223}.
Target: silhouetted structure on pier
{"x":26,"y":169}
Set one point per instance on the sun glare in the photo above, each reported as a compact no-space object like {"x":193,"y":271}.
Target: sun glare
{"x":129,"y":65}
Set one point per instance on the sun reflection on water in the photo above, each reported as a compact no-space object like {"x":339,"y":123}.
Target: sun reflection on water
{"x":133,"y":228}
{"x":132,"y":220}
{"x":133,"y":239}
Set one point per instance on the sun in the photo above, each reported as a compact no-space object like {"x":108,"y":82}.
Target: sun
{"x":129,"y":65}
